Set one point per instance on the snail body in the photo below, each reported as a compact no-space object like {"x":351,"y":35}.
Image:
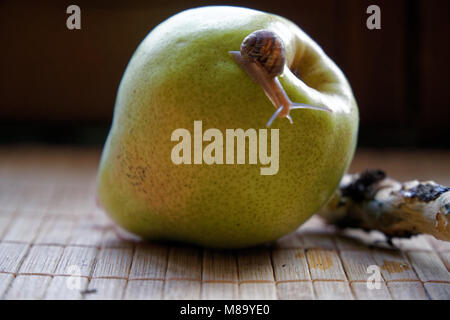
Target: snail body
{"x":266,"y":49}
{"x":262,"y":56}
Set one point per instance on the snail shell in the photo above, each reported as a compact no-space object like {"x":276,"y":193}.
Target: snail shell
{"x":265,"y":48}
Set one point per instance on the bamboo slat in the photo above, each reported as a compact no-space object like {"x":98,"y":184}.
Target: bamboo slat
{"x":255,"y":265}
{"x":22,"y":230}
{"x":290,"y":264}
{"x":325,"y":265}
{"x":257,"y":291}
{"x":105,"y":289}
{"x":219,"y":291}
{"x":219,"y":266}
{"x":77,"y":261}
{"x":41,"y":260}
{"x":393,"y":265}
{"x":182,"y":289}
{"x":438,"y":291}
{"x":87,"y":233}
{"x":351,"y":240}
{"x":66,"y":288}
{"x":362,"y":292}
{"x":55,"y":231}
{"x":149,"y":262}
{"x":110,"y":238}
{"x":144,"y":289}
{"x":298,"y":290}
{"x":184,"y":264}
{"x":5,"y":281}
{"x":113,"y":263}
{"x":356,"y":264}
{"x":428,"y":266}
{"x":318,"y":240}
{"x":332,"y":290}
{"x":36,"y":201}
{"x":407,"y":290}
{"x":28,"y":287}
{"x":445,"y":256}
{"x":12,"y":255}
{"x":5,"y":220}
{"x":415,"y":243}
{"x":291,"y":241}
{"x":73,"y":201}
{"x":440,"y":245}
{"x":10,"y":196}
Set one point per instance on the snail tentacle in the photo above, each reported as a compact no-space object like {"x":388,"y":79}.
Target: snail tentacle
{"x":290,"y":119}
{"x":296,"y":105}
{"x":272,"y":118}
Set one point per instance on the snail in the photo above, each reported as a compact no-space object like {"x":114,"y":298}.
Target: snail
{"x":262,"y":56}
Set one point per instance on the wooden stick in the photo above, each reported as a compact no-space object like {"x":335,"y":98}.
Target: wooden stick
{"x":373,"y":201}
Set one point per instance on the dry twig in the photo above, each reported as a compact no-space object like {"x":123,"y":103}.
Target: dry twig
{"x":373,"y":201}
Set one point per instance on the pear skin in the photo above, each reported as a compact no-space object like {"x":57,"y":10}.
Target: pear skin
{"x":182,"y":72}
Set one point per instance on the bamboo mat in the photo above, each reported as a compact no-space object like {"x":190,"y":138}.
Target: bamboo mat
{"x":56,"y":244}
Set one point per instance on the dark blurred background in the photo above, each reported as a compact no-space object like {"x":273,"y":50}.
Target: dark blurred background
{"x":59,"y":86}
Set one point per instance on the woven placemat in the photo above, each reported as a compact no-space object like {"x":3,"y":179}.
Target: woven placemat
{"x":56,"y":244}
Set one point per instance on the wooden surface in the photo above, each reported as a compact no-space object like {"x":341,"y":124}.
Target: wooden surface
{"x":56,"y":244}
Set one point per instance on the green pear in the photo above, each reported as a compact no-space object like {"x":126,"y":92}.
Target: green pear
{"x":183,"y":77}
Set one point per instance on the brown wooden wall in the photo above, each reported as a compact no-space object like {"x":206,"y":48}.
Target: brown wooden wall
{"x":67,"y":80}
